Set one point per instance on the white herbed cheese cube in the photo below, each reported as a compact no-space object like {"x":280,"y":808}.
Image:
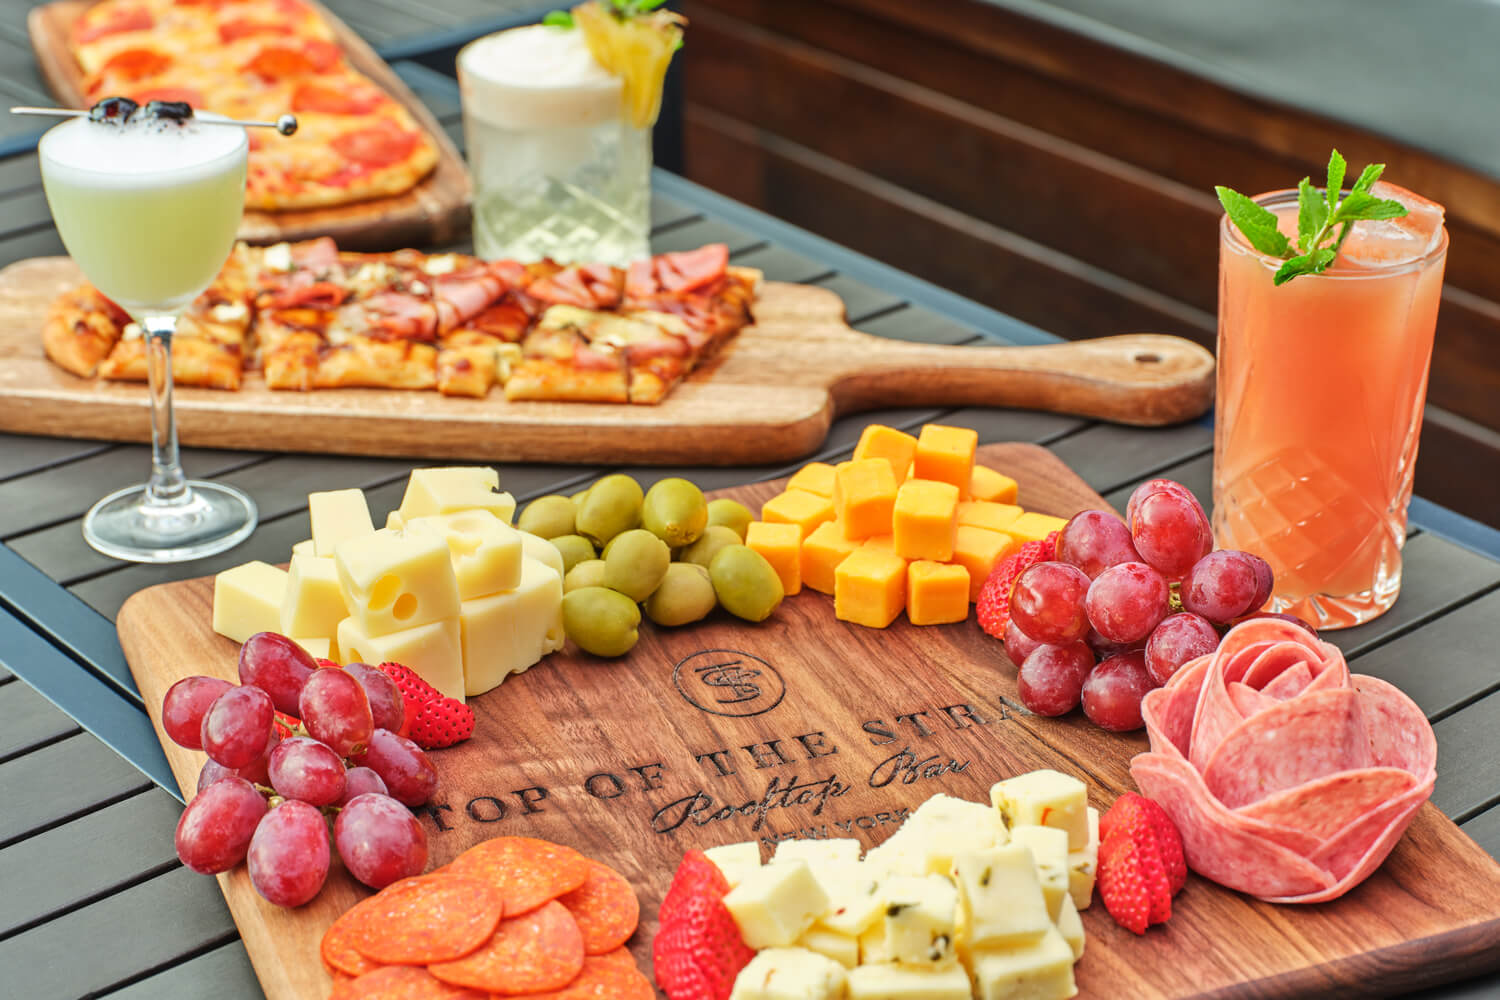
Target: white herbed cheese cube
{"x":397,"y":580}
{"x":1001,"y":897}
{"x":319,"y":648}
{"x":842,"y":948}
{"x":433,"y":651}
{"x":507,"y":633}
{"x":944,"y":826}
{"x":789,"y":974}
{"x":1070,"y":926}
{"x":337,"y":515}
{"x":538,"y":548}
{"x":735,"y":861}
{"x":1084,"y":865}
{"x":854,"y":900}
{"x":1042,"y":970}
{"x":486,"y":552}
{"x":917,"y":922}
{"x":904,"y":982}
{"x":817,"y":851}
{"x":1049,"y":851}
{"x":247,"y":600}
{"x":313,"y":604}
{"x":450,"y":490}
{"x":776,"y":903}
{"x":1044,"y":798}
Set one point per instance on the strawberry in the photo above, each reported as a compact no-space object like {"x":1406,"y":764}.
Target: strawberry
{"x":993,"y":606}
{"x":286,"y":724}
{"x":695,"y":876}
{"x":415,"y":692}
{"x":1122,"y":884}
{"x":322,"y":662}
{"x":440,"y":723}
{"x":700,"y":952}
{"x":1145,"y":819}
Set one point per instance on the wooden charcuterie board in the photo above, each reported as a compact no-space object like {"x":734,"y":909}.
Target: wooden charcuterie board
{"x":770,"y":395}
{"x":434,"y":212}
{"x":847,"y":729}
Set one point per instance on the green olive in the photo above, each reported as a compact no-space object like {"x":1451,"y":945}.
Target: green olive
{"x":589,"y":573}
{"x":745,"y":583}
{"x":574,"y":549}
{"x":684,"y":595}
{"x":674,"y":511}
{"x":601,"y":621}
{"x":548,"y":517}
{"x":714,"y":538}
{"x":731,"y":514}
{"x":577,"y":498}
{"x":612,"y":505}
{"x":635,"y":563}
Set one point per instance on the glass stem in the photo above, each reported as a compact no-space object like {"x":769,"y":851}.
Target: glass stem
{"x":168,"y":485}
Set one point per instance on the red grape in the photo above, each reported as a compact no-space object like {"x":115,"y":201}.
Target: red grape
{"x":306,"y":770}
{"x":1221,"y":586}
{"x":335,"y":710}
{"x":1095,"y":540}
{"x":1047,"y":602}
{"x":217,"y":826}
{"x":183,"y":706}
{"x":1018,"y":645}
{"x":402,"y":765}
{"x":278,"y":666}
{"x":289,"y":854}
{"x":1154,"y":486}
{"x":235,"y":726}
{"x":258,"y":772}
{"x":358,"y":781}
{"x":1171,"y":532}
{"x":387,"y":707}
{"x":1265,"y":580}
{"x":1051,"y":680}
{"x":1105,"y":648}
{"x":1113,"y":691}
{"x":1127,"y":601}
{"x":214,"y":771}
{"x":1178,"y":639}
{"x":379,"y":840}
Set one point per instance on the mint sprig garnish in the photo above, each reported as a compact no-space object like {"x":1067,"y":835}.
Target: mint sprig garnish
{"x":558,"y":19}
{"x":1323,"y":219}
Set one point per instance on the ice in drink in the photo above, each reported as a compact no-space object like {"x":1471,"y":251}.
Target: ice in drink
{"x":1320,"y":392}
{"x":558,"y":171}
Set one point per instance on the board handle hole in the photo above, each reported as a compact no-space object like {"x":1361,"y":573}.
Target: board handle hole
{"x":1148,"y":358}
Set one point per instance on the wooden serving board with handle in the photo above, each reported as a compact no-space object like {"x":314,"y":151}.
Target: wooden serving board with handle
{"x":769,"y":395}
{"x":835,"y":730}
{"x":434,"y":212}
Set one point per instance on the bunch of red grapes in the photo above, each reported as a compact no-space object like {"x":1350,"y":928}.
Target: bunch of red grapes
{"x":1125,"y":604}
{"x":293,"y":745}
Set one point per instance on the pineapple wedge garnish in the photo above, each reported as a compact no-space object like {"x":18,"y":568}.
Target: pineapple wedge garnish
{"x":636,"y":46}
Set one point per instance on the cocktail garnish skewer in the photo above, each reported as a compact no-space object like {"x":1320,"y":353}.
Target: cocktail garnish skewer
{"x":286,"y":124}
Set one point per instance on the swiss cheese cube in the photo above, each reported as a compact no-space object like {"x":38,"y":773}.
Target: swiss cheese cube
{"x":983,"y":514}
{"x":781,"y":544}
{"x":903,"y":982}
{"x":896,"y":447}
{"x":506,"y":633}
{"x":1042,"y":970}
{"x":313,"y":604}
{"x":922,"y":521}
{"x":917,"y":923}
{"x":799,"y":507}
{"x":864,"y":497}
{"x":841,"y":948}
{"x":395,"y":521}
{"x":814,"y":477}
{"x":397,"y":580}
{"x":936,"y":593}
{"x":818,"y":851}
{"x":319,"y":648}
{"x":337,"y":515}
{"x":485,"y":551}
{"x":776,"y":903}
{"x":1032,"y":526}
{"x":1001,"y":896}
{"x":789,"y":974}
{"x":1044,"y":798}
{"x":947,"y":455}
{"x":978,"y":550}
{"x":538,"y":548}
{"x":987,"y":484}
{"x":822,"y":551}
{"x":1049,"y":852}
{"x":735,"y":861}
{"x":869,"y":588}
{"x":1083,"y":865}
{"x":433,"y":651}
{"x":306,"y":545}
{"x":449,"y":490}
{"x":247,"y":600}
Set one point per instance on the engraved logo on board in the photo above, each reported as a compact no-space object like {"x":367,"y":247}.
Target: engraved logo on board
{"x":728,"y":682}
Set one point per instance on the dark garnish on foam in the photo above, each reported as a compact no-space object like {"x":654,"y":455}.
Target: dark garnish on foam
{"x":117,"y":110}
{"x":171,"y":111}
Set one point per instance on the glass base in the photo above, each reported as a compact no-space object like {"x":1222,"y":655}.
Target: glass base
{"x":1326,"y":611}
{"x":207,"y":518}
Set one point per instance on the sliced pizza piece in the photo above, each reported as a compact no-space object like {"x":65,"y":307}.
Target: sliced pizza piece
{"x":376,"y":363}
{"x":81,"y":328}
{"x":470,"y":362}
{"x":565,"y":359}
{"x":291,"y":342}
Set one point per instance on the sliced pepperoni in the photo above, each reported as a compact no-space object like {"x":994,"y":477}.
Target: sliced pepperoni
{"x":315,"y":96}
{"x":605,"y":908}
{"x":376,"y":146}
{"x":690,"y":269}
{"x":277,"y":62}
{"x":135,"y":64}
{"x":400,"y":982}
{"x":322,"y":54}
{"x":537,"y":951}
{"x":527,"y":872}
{"x":187,"y":95}
{"x":434,"y":918}
{"x":242,"y":27}
{"x":118,"y":20}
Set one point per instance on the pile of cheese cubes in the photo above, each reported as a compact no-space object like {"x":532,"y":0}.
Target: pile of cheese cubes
{"x":910,"y":523}
{"x":447,"y":587}
{"x":965,"y":899}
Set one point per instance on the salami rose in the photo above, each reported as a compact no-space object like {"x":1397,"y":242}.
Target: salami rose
{"x":1290,"y":778}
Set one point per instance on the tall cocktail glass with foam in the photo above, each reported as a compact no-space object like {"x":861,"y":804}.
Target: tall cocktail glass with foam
{"x":148,"y":208}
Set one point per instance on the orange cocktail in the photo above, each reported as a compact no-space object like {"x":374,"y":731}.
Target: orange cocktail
{"x":1320,"y":391}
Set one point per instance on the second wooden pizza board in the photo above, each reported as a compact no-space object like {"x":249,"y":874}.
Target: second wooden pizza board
{"x":722,"y":732}
{"x":769,"y":395}
{"x":434,"y":212}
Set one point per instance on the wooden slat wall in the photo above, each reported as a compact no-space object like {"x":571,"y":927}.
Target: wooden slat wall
{"x":1056,"y":178}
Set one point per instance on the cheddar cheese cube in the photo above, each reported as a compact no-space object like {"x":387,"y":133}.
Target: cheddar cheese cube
{"x":889,"y":981}
{"x":452,"y":489}
{"x":896,"y":447}
{"x":987,"y":484}
{"x":506,"y":633}
{"x":1049,"y":852}
{"x":922,"y":520}
{"x":947,"y":455}
{"x":313,"y":604}
{"x":1000,"y":895}
{"x":978,"y":550}
{"x":983,"y":514}
{"x":1044,"y":798}
{"x":397,"y":580}
{"x":936,"y":593}
{"x":822,"y":551}
{"x":735,"y":860}
{"x":1031,"y":526}
{"x":881,"y":543}
{"x":1042,"y":970}
{"x":869,"y":588}
{"x":433,"y":651}
{"x":337,"y":515}
{"x":485,"y":551}
{"x":865,"y":497}
{"x":790,"y":974}
{"x":814,"y":477}
{"x":799,"y":507}
{"x":841,"y":948}
{"x":776,"y":903}
{"x":917,"y":925}
{"x":781,"y":544}
{"x":247,"y":600}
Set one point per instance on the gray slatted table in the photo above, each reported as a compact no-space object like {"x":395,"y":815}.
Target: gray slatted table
{"x":85,"y":840}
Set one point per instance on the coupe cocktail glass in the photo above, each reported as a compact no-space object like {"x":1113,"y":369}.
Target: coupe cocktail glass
{"x":148,"y":208}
